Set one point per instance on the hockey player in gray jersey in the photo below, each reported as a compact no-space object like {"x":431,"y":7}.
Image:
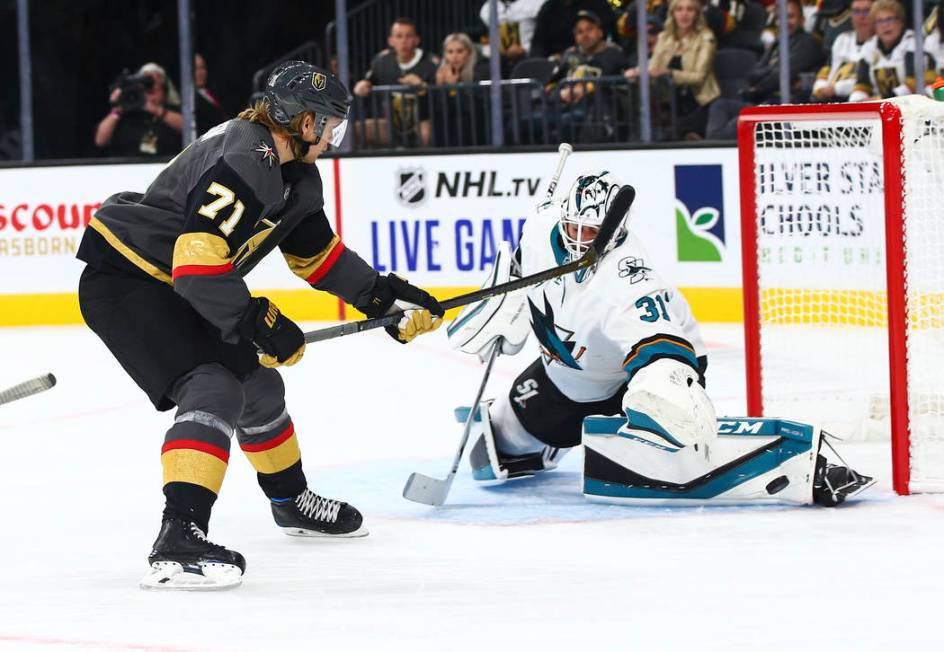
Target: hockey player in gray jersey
{"x":615,"y":339}
{"x":163,"y":288}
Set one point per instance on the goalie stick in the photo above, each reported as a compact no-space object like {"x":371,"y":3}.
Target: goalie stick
{"x":618,"y":209}
{"x":430,"y":491}
{"x":27,"y":388}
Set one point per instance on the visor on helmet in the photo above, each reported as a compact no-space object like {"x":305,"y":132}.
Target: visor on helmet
{"x":338,"y":128}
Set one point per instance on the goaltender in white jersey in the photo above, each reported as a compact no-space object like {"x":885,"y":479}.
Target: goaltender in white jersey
{"x":616,"y":339}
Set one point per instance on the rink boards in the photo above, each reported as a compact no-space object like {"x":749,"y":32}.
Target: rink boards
{"x":435,"y":219}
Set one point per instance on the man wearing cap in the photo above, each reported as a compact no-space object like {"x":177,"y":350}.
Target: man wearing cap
{"x":591,"y":56}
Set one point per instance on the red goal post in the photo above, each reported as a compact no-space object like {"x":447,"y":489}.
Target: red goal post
{"x":843,"y":321}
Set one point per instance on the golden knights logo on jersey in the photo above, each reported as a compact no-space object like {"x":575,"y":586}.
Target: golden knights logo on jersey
{"x":554,"y":340}
{"x":886,"y":79}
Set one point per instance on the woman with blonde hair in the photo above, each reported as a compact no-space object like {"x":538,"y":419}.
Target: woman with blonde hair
{"x":458,"y":62}
{"x":685,"y":50}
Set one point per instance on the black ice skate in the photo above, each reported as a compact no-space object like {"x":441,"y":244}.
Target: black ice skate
{"x":833,"y":483}
{"x":310,"y":515}
{"x":183,"y":559}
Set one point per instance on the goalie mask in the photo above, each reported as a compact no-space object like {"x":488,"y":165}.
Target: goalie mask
{"x":583,"y":210}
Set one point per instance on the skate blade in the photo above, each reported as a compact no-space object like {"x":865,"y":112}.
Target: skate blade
{"x":315,"y":534}
{"x":171,"y":576}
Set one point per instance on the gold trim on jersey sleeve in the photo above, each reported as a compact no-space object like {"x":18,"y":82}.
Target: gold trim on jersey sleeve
{"x":203,"y":249}
{"x":127,"y":252}
{"x":304,"y":267}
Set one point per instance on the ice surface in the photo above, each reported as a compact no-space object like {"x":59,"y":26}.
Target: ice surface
{"x":531,"y":565}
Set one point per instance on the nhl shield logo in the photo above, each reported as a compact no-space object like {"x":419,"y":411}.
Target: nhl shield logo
{"x":411,"y":186}
{"x":319,"y":81}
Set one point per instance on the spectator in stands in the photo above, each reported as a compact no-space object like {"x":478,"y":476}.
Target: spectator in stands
{"x":516,"y":21}
{"x":685,"y":51}
{"x":833,"y":18}
{"x":654,"y":27}
{"x":552,"y":30}
{"x":834,"y":82}
{"x":209,"y":110}
{"x":764,"y":79}
{"x":592,"y":56}
{"x":723,"y":16}
{"x":145,"y":118}
{"x":402,"y":63}
{"x":887,"y":66}
{"x":625,"y":28}
{"x":934,"y":42}
{"x":458,"y":61}
{"x":459,"y":114}
{"x":582,"y":104}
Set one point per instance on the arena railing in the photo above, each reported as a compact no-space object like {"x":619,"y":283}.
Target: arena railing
{"x":369,"y":26}
{"x":595,"y":110}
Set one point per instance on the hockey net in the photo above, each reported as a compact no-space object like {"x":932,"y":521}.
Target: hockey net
{"x":842,"y":211}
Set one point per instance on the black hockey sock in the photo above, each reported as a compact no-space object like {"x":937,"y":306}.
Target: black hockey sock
{"x":189,"y":502}
{"x":287,"y":483}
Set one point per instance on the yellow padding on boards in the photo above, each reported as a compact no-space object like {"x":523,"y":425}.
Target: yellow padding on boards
{"x":275,"y":459}
{"x":305,"y":304}
{"x":195,"y":467}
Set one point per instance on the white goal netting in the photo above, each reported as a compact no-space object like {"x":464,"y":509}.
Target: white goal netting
{"x":821,"y":258}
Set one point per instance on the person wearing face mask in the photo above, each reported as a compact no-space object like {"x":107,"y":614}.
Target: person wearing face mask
{"x":163,"y":288}
{"x":145,"y":117}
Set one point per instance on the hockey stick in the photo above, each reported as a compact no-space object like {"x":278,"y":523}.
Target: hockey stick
{"x":563,"y":151}
{"x":423,"y":489}
{"x":27,"y":388}
{"x":618,"y":209}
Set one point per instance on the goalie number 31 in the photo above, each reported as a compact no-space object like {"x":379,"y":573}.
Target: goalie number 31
{"x":654,"y":307}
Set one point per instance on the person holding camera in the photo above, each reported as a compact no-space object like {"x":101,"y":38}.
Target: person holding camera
{"x":145,"y":117}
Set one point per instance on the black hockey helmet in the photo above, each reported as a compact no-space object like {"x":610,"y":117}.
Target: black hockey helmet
{"x":297,"y":86}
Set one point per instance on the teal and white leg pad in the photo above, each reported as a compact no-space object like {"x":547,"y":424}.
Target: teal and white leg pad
{"x":751,"y":461}
{"x":491,"y":466}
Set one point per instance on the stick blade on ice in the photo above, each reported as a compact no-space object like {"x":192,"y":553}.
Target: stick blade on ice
{"x":27,"y":388}
{"x":423,"y":489}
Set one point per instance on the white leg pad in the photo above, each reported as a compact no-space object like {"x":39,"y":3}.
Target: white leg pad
{"x":751,"y":461}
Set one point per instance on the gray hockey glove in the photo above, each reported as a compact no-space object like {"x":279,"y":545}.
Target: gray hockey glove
{"x":421,"y":311}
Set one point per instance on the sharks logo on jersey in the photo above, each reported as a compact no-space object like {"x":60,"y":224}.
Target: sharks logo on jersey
{"x":552,"y":338}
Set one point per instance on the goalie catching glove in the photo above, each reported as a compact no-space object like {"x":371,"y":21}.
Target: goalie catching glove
{"x":480,"y":324}
{"x":279,"y":338}
{"x":421,"y":311}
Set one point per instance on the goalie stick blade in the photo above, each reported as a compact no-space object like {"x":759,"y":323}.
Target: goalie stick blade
{"x":423,"y":489}
{"x":623,"y":201}
{"x":27,"y":388}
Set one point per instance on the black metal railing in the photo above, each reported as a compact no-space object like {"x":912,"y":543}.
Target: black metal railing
{"x":595,"y":110}
{"x":369,"y":26}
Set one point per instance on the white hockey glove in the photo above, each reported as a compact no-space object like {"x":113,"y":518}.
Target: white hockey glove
{"x":479,"y":324}
{"x":665,"y":405}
